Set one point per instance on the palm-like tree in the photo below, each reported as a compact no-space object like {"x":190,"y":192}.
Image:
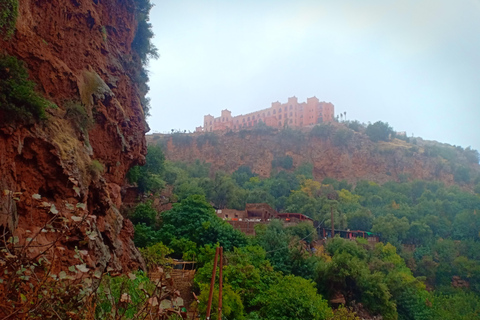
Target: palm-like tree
{"x":345,"y":115}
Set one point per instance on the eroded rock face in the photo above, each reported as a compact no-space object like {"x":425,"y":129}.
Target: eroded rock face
{"x":361,"y":159}
{"x":79,"y":53}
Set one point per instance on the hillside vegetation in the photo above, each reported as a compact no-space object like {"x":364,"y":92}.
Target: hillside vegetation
{"x":426,"y":268}
{"x":347,"y":150}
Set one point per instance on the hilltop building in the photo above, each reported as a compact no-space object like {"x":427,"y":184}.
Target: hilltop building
{"x":291,"y":113}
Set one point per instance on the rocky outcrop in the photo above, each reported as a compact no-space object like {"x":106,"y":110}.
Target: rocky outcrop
{"x":359,"y":159}
{"x":79,"y":53}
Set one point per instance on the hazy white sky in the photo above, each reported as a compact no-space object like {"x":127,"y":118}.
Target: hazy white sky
{"x":414,"y":64}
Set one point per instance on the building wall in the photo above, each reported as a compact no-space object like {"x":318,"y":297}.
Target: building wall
{"x":291,"y":113}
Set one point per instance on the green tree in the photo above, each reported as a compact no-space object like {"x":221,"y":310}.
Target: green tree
{"x":379,"y":131}
{"x":195,"y":220}
{"x":294,"y":298}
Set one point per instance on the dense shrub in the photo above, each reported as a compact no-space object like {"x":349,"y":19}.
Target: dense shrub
{"x":379,"y":131}
{"x":355,"y":125}
{"x":208,"y":137}
{"x":323,"y":131}
{"x":8,"y":17}
{"x":342,"y":137}
{"x":462,"y":174}
{"x":18,"y":100}
{"x":285,"y":162}
{"x":78,"y":115}
{"x":181,"y":139}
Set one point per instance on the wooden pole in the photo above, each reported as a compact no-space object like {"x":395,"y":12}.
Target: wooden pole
{"x":220,"y":288}
{"x":331,"y":218}
{"x":212,"y":284}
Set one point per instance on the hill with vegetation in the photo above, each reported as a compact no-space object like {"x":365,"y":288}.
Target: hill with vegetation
{"x":426,"y":266}
{"x":346,"y":150}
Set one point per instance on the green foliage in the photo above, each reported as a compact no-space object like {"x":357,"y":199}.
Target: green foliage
{"x":285,"y":162}
{"x":323,"y":131}
{"x":242,"y":175}
{"x":232,"y":306}
{"x":142,"y":43}
{"x":472,"y":155}
{"x":462,"y":174}
{"x":458,"y":305}
{"x":146,"y":235}
{"x":294,"y":298}
{"x":355,"y":125}
{"x":8,"y":17}
{"x":78,"y":115}
{"x":342,"y":137}
{"x":18,"y":100}
{"x":262,"y":129}
{"x":155,"y":255}
{"x":304,"y":231}
{"x":434,"y":228}
{"x":96,"y":168}
{"x":379,"y":131}
{"x":149,"y":177}
{"x":144,"y":213}
{"x":290,"y":137}
{"x":195,"y":220}
{"x":305,"y":170}
{"x":110,"y":294}
{"x":181,"y":139}
{"x":208,"y":137}
{"x":477,"y":188}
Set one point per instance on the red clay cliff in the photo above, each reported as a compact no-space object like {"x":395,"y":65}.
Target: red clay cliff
{"x":78,"y":53}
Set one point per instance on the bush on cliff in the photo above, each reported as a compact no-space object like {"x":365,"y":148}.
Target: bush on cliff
{"x":379,"y":131}
{"x":8,"y":17}
{"x":18,"y":99}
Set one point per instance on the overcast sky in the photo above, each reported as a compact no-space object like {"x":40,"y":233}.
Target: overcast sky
{"x":414,"y":64}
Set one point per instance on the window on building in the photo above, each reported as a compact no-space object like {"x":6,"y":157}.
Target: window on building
{"x":248,"y":119}
{"x":210,"y":122}
{"x":291,"y":107}
{"x":279,"y":116}
{"x":255,"y":122}
{"x":291,"y":114}
{"x":234,"y":127}
{"x":268,"y":113}
{"x":243,"y":120}
{"x":274,"y":111}
{"x":279,"y":109}
{"x":223,"y":119}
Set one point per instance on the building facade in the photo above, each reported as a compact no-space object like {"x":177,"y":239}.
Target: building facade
{"x":291,"y":113}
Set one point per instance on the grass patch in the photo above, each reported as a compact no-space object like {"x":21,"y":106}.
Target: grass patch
{"x":96,"y":168}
